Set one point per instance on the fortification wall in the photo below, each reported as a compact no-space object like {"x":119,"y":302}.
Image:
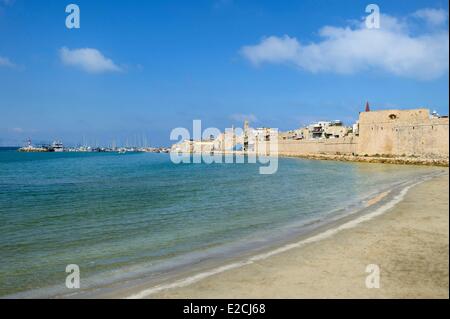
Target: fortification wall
{"x":345,"y":146}
{"x":403,"y":133}
{"x":391,"y":132}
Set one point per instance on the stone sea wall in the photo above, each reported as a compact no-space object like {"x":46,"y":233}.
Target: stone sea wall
{"x":388,"y":134}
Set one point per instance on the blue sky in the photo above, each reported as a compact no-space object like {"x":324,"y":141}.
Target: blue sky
{"x":141,"y":68}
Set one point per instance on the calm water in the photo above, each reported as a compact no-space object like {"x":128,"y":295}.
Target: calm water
{"x":125,"y":215}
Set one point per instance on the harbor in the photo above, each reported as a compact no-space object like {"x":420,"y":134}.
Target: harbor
{"x":58,"y":147}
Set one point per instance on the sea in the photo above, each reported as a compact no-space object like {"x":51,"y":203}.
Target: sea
{"x":127,"y":218}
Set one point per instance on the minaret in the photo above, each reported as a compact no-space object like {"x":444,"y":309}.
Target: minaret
{"x":367,"y":107}
{"x":245,"y":135}
{"x":233,"y":141}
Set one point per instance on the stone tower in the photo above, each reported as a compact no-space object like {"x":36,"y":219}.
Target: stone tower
{"x":245,"y":135}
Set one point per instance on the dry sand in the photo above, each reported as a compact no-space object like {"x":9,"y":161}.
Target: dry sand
{"x":410,"y":244}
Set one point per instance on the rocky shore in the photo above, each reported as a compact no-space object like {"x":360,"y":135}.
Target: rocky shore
{"x":405,"y":160}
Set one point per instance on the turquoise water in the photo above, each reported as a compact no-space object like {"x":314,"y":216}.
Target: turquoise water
{"x":120,"y":216}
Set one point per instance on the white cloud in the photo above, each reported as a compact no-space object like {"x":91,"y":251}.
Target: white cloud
{"x":348,"y":50}
{"x":89,"y":60}
{"x":435,"y":17}
{"x":244,"y":117}
{"x":5,"y":62}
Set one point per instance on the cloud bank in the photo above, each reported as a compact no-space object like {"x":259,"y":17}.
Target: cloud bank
{"x":87,"y":59}
{"x":435,"y":17}
{"x":347,"y":50}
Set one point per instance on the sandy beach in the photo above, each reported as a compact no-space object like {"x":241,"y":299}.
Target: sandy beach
{"x":409,"y":243}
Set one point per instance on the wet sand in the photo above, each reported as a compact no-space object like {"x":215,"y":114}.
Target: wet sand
{"x":409,"y":243}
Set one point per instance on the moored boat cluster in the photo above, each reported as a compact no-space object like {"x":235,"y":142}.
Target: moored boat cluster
{"x":59,"y":147}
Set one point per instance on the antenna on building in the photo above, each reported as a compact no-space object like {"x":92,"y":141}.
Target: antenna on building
{"x":367,"y":107}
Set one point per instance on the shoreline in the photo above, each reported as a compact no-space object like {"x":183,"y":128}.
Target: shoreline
{"x":210,"y":265}
{"x":386,"y":159}
{"x":438,"y":162}
{"x":409,"y":242}
{"x":218,"y":282}
{"x":166,"y":283}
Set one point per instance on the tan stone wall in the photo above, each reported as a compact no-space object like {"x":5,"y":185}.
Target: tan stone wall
{"x":410,"y":132}
{"x":391,"y":132}
{"x":346,"y":145}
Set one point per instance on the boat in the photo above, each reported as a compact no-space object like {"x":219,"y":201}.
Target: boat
{"x":29,"y":148}
{"x":57,"y":147}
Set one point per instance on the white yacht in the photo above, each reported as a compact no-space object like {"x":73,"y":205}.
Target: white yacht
{"x":57,"y":146}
